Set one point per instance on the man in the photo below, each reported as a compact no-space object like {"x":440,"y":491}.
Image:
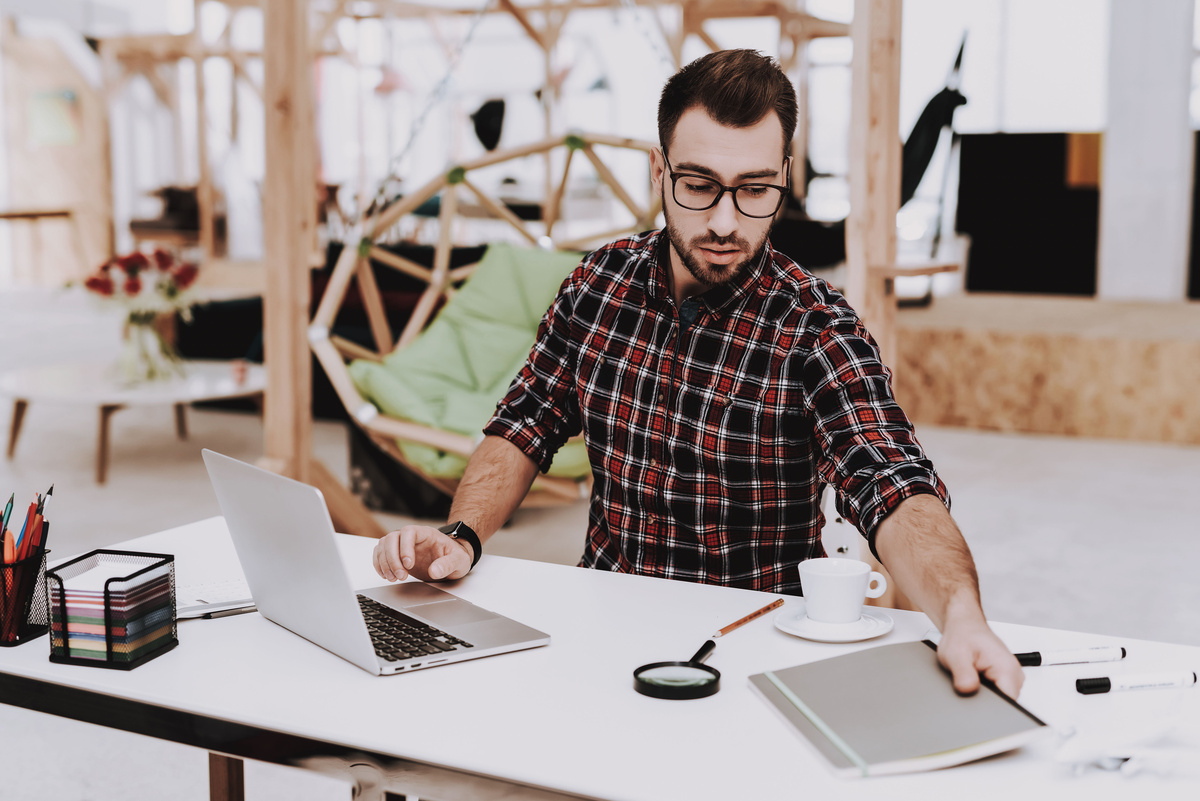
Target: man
{"x":718,"y":385}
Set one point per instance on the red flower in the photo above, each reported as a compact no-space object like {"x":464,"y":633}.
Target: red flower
{"x":133,"y":285}
{"x":101,"y":284}
{"x":163,"y":259}
{"x":185,"y":275}
{"x":133,"y":262}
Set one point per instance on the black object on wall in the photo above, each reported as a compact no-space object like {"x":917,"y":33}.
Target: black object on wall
{"x":1029,"y":231}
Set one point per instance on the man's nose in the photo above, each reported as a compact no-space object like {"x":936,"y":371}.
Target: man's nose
{"x":723,"y":218}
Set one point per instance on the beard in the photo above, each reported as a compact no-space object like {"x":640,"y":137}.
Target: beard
{"x":704,"y":271}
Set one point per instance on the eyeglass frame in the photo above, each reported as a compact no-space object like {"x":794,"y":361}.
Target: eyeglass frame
{"x":732,"y":190}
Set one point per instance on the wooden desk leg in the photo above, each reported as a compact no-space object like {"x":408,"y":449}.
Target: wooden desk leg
{"x":14,"y":431}
{"x":181,"y":420}
{"x":226,"y":778}
{"x":106,"y":412}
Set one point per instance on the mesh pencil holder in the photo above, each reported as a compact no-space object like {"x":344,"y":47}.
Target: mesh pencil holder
{"x":112,"y":609}
{"x":23,"y":600}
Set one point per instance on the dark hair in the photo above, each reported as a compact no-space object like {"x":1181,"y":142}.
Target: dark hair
{"x":737,"y":88}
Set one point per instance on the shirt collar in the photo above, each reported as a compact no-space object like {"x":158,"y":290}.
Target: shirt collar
{"x":715,"y":298}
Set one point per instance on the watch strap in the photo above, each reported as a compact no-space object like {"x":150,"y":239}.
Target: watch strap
{"x":461,"y":531}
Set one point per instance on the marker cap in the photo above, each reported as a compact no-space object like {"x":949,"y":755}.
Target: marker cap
{"x":1093,"y":686}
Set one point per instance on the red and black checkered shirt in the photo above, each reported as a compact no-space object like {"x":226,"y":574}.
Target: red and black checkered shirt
{"x":710,"y":439}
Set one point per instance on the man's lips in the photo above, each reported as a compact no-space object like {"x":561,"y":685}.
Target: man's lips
{"x":720,"y":255}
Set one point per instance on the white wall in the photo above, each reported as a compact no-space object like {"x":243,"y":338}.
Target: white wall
{"x":1030,"y":65}
{"x":1146,"y":192}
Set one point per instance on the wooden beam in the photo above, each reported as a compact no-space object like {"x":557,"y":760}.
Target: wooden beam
{"x":441,"y":270}
{"x":498,"y":210}
{"x":288,"y":223}
{"x":875,"y":151}
{"x":553,"y":209}
{"x":373,"y":303}
{"x":347,"y":511}
{"x":400,"y":264}
{"x":519,"y":15}
{"x":606,"y":175}
{"x":423,"y":435}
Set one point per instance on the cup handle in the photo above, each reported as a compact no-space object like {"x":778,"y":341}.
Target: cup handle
{"x":880,"y":585}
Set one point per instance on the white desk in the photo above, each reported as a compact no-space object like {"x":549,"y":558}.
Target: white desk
{"x":96,"y":384}
{"x":565,"y":717}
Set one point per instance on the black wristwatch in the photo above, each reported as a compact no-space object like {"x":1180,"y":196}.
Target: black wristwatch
{"x":461,"y":531}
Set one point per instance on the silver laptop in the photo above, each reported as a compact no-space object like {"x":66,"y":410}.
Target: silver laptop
{"x":286,"y":544}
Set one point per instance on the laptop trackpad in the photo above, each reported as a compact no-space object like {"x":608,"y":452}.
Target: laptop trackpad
{"x":454,"y":612}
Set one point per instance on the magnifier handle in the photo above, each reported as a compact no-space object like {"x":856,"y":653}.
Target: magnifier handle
{"x":704,"y":651}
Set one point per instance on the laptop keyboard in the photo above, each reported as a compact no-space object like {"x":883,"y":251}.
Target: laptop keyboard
{"x":397,"y":636}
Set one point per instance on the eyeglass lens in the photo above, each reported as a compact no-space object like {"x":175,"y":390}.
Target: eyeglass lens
{"x":754,"y":200}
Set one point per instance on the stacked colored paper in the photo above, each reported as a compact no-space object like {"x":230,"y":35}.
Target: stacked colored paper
{"x":106,"y":614}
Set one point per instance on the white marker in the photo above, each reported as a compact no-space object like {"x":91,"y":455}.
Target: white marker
{"x":1101,"y":653}
{"x":1144,"y":681}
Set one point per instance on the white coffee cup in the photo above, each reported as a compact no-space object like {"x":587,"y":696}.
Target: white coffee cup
{"x":834,"y":589}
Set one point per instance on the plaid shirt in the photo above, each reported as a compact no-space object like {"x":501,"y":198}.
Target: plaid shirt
{"x":710,"y":437}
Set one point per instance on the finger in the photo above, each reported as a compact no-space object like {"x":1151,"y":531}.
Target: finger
{"x":407,"y":551}
{"x":378,"y":563}
{"x":453,"y":564}
{"x":963,"y":672}
{"x":384,"y":550}
{"x":1009,"y":678}
{"x":391,"y":545}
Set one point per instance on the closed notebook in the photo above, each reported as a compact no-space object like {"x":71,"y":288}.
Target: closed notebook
{"x":892,"y":709}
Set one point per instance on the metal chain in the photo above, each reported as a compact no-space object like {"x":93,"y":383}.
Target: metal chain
{"x":439,"y":91}
{"x":435,"y":98}
{"x":656,"y":44}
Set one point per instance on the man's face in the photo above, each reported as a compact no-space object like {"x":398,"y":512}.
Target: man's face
{"x":717,"y":245}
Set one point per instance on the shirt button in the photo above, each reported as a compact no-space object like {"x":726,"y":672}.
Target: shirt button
{"x":654,"y":463}
{"x":652,"y":518}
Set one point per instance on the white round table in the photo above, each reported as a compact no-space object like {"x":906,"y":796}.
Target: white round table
{"x":98,"y":385}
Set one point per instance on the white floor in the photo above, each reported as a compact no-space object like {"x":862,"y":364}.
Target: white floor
{"x":1091,"y":535}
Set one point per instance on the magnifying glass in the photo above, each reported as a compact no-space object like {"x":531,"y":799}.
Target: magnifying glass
{"x":690,"y":679}
{"x":679,"y":680}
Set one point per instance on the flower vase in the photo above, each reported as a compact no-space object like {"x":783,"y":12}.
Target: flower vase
{"x":146,"y":355}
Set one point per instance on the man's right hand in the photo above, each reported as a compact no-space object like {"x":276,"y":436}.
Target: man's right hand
{"x":421,"y":551}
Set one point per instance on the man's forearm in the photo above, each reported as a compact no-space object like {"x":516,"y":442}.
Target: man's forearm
{"x":493,"y":485}
{"x":929,"y":560}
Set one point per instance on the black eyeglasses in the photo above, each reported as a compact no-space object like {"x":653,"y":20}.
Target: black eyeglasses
{"x":698,"y":193}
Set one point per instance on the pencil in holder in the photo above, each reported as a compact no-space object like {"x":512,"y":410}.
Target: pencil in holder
{"x":112,"y":609}
{"x":23,"y":600}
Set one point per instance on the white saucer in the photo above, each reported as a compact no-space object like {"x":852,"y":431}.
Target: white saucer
{"x":793,"y":620}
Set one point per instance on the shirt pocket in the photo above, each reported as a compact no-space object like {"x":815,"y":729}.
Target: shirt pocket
{"x":731,"y":446}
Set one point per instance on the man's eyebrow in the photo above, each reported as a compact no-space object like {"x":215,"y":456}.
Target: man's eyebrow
{"x":688,"y":166}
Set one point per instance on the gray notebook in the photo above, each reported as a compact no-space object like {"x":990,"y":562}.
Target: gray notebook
{"x":892,"y":709}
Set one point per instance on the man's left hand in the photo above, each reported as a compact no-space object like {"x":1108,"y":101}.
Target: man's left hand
{"x":970,"y":648}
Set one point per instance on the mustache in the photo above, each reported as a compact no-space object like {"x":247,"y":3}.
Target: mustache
{"x":721,"y":241}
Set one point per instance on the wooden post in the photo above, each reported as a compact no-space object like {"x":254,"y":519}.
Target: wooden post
{"x":204,"y":186}
{"x":875,"y":151}
{"x":289,"y":219}
{"x":287,"y":229}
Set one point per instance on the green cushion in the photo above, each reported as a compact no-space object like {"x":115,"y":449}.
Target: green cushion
{"x":453,"y":375}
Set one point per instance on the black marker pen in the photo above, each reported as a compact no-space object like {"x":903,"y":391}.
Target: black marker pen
{"x":1144,"y":681}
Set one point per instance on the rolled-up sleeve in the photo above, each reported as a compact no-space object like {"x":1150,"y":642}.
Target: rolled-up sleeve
{"x":869,"y":450}
{"x":541,"y":409}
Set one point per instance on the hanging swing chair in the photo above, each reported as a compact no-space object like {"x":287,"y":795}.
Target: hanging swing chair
{"x":423,"y":397}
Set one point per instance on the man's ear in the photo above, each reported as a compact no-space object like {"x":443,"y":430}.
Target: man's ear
{"x":658,"y":166}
